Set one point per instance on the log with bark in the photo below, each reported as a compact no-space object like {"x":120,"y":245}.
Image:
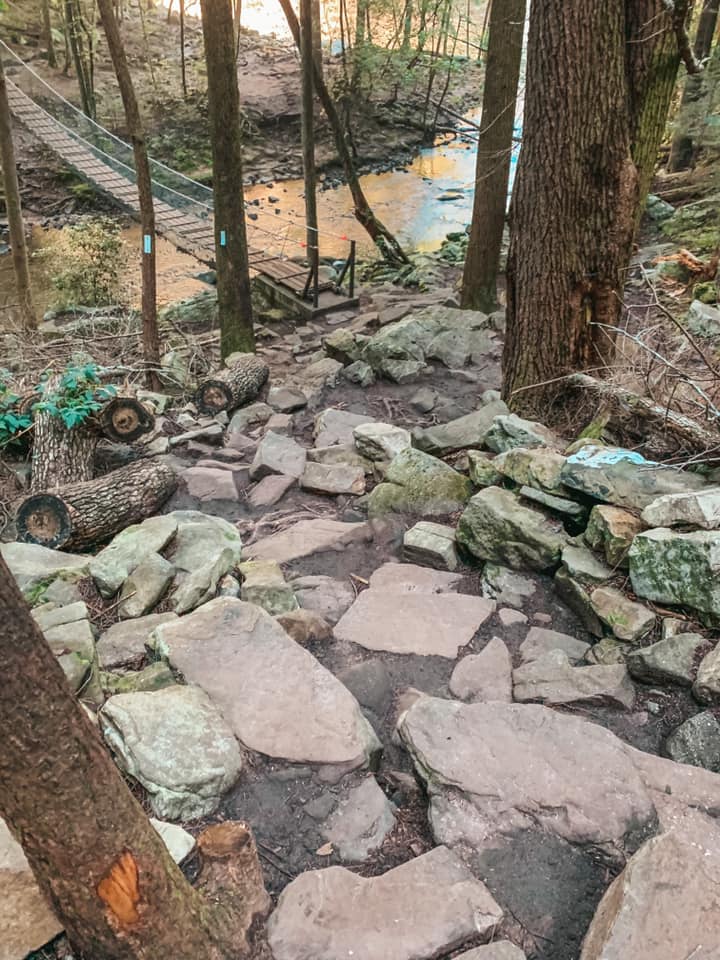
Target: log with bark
{"x":660,"y":431}
{"x":234,"y":386}
{"x":83,"y":514}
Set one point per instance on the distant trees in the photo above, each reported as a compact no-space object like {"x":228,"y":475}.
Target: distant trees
{"x":494,"y":153}
{"x":231,"y":250}
{"x":80,"y":40}
{"x":14,"y":211}
{"x":600,"y":77}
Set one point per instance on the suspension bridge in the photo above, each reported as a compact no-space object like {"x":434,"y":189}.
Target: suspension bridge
{"x":183,"y":207}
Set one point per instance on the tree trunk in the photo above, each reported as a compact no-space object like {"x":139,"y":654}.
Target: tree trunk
{"x":232,"y":387}
{"x":317,"y":35}
{"x":682,"y":149}
{"x":92,"y":849}
{"x":307,"y":54}
{"x":86,"y":513}
{"x":378,"y":232}
{"x":231,"y":251}
{"x":183,"y":67}
{"x":14,"y":211}
{"x":47,"y":37}
{"x":74,"y":27}
{"x":598,"y":91}
{"x":61,"y":455}
{"x":495,"y":140}
{"x":151,"y":338}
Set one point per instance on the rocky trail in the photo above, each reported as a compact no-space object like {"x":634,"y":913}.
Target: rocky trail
{"x":457,"y":672}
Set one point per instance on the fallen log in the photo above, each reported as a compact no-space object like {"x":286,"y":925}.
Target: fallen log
{"x":83,"y":514}
{"x":661,"y":431}
{"x":232,"y":387}
{"x":125,"y":419}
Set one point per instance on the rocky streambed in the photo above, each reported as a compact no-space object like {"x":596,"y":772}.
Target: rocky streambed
{"x":459,"y":673}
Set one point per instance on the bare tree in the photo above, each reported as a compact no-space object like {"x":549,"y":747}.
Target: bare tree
{"x":307,"y":55}
{"x":47,"y":37}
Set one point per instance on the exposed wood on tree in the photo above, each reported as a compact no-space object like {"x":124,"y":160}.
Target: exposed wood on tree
{"x":233,"y":386}
{"x":151,"y":338}
{"x":231,"y":251}
{"x":494,"y":153}
{"x":93,"y":851}
{"x":383,"y":239}
{"x":83,"y":514}
{"x":14,"y":211}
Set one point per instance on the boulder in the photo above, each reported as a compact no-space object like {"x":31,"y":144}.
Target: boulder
{"x":509,"y":431}
{"x":482,"y":470}
{"x":504,"y":585}
{"x":246,"y":418}
{"x":35,"y":567}
{"x":361,"y":821}
{"x":286,"y":399}
{"x":413,"y":622}
{"x":419,"y":910}
{"x":706,"y":688}
{"x":419,"y":484}
{"x":360,"y":373}
{"x":582,"y":565}
{"x":668,"y":661}
{"x":380,"y":441}
{"x":627,"y":619}
{"x":114,"y":564}
{"x":539,"y":467}
{"x":336,"y":427}
{"x":333,"y":479}
{"x":664,"y":905}
{"x":324,"y":596}
{"x":696,"y":509}
{"x":612,"y":531}
{"x":278,"y":454}
{"x":410,"y":578}
{"x":123,"y":644}
{"x":540,"y":642}
{"x":495,"y":526}
{"x":145,"y":586}
{"x":624,"y":477}
{"x":204,"y":550}
{"x":484,"y":676}
{"x":177,"y":745}
{"x":680,"y":568}
{"x":304,"y":626}
{"x":703,"y":319}
{"x":696,"y":742}
{"x":263,"y":584}
{"x":431,"y":544}
{"x":270,"y":490}
{"x":552,"y":679}
{"x":253,"y":670}
{"x":213,"y":483}
{"x":459,"y":434}
{"x":307,"y":537}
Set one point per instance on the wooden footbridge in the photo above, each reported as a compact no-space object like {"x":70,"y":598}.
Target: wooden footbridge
{"x":183,"y":207}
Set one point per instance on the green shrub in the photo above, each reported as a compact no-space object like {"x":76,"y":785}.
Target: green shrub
{"x":93,"y":259}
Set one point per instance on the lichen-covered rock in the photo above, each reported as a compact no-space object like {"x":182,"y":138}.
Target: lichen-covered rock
{"x":627,"y":619}
{"x":114,"y":563}
{"x":509,"y":431}
{"x":482,"y":470}
{"x":380,"y":441}
{"x":459,"y":434}
{"x":681,"y":568}
{"x":612,"y":531}
{"x":35,"y":567}
{"x":417,"y":483}
{"x":431,"y":544}
{"x":668,"y":661}
{"x":263,"y":583}
{"x":539,"y":467}
{"x":697,"y":742}
{"x":496,"y":526}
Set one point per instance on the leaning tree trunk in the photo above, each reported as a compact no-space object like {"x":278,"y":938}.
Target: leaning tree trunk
{"x":495,"y":141}
{"x":232,"y":387}
{"x":574,"y":199}
{"x":83,"y":514}
{"x":231,"y":249}
{"x":93,"y":851}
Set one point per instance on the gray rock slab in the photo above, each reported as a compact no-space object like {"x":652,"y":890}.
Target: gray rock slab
{"x":583,"y":566}
{"x":270,"y":490}
{"x":509,"y":431}
{"x":263,"y":584}
{"x":706,"y":688}
{"x":361,"y":821}
{"x":420,"y":623}
{"x":27,"y":920}
{"x":123,"y":644}
{"x":697,"y":742}
{"x":51,"y":615}
{"x":431,"y":544}
{"x":307,"y":537}
{"x":411,"y":578}
{"x":286,"y":399}
{"x":278,"y":454}
{"x":114,"y":564}
{"x":552,"y":679}
{"x":145,"y":586}
{"x":336,"y":427}
{"x":665,"y":905}
{"x":674,"y":660}
{"x":211,"y":483}
{"x":32,"y":565}
{"x":419,"y":910}
{"x":253,"y":415}
{"x":628,"y":619}
{"x":325,"y":596}
{"x":459,"y":434}
{"x":205,"y":548}
{"x":506,"y":586}
{"x":419,"y":484}
{"x":179,"y":842}
{"x":540,"y":641}
{"x":380,"y":441}
{"x":333,"y":479}
{"x":253,"y":670}
{"x":612,"y":531}
{"x":501,"y":950}
{"x":176,"y":743}
{"x":539,"y":467}
{"x":697,"y":509}
{"x":484,"y":676}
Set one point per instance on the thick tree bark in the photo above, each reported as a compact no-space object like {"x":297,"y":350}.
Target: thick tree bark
{"x":74,"y":31}
{"x":495,"y":140}
{"x":231,"y":251}
{"x":14,"y":211}
{"x":61,"y":456}
{"x":151,"y":338}
{"x":383,"y":239}
{"x":307,"y":54}
{"x":598,"y":90}
{"x":232,"y":387}
{"x":92,"y":849}
{"x":682,"y":149}
{"x":86,"y":513}
{"x":47,"y":37}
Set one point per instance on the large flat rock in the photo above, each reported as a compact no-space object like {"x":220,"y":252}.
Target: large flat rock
{"x":33,"y":565}
{"x":552,"y":679}
{"x":112,"y":565}
{"x":419,"y":910}
{"x":255,"y":674}
{"x":413,"y":622}
{"x":665,"y":905}
{"x":307,"y":537}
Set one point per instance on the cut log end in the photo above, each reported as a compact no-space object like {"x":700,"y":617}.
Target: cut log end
{"x":125,"y":419}
{"x":213,"y":396}
{"x":45,"y":519}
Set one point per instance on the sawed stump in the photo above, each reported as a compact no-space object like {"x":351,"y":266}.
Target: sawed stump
{"x":234,"y":386}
